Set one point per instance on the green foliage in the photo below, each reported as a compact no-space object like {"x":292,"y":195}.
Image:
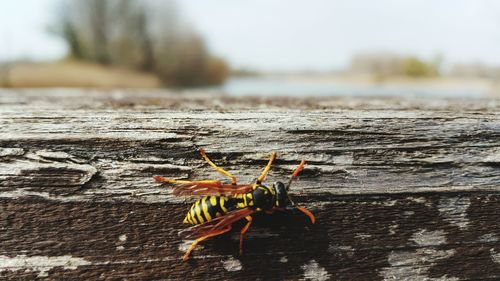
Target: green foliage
{"x":384,"y":65}
{"x":71,"y":36}
{"x":415,"y":67}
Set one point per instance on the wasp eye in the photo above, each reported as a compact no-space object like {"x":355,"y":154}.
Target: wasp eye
{"x":281,"y":194}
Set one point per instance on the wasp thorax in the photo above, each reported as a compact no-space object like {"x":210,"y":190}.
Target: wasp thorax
{"x":263,"y":197}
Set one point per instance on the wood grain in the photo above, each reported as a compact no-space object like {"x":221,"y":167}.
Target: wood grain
{"x":403,"y":189}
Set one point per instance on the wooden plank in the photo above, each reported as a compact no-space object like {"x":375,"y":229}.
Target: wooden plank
{"x":402,"y":188}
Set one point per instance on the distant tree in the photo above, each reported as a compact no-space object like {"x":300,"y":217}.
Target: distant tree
{"x":217,"y":71}
{"x":99,"y":24}
{"x":415,"y":67}
{"x":380,"y":64}
{"x":384,"y":64}
{"x":5,"y":69}
{"x":475,"y":69}
{"x":144,"y":35}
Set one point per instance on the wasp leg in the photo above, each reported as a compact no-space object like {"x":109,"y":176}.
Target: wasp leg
{"x":212,"y":234}
{"x":243,"y":231}
{"x":203,"y":182}
{"x":307,"y":213}
{"x":267,"y":168}
{"x":220,"y":170}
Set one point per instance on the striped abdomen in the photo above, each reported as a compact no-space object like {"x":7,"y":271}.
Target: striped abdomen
{"x":206,"y":209}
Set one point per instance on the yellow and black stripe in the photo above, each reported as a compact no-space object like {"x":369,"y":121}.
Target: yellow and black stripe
{"x":243,"y":200}
{"x":206,"y":209}
{"x":210,"y":207}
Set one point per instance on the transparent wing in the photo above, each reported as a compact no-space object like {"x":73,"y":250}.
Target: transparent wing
{"x":205,"y":189}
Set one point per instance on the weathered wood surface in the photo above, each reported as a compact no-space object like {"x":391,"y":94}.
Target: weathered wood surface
{"x":403,"y":189}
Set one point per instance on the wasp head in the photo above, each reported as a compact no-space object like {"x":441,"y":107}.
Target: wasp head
{"x":282,"y":199}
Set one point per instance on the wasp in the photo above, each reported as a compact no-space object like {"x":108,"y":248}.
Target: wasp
{"x":222,"y":204}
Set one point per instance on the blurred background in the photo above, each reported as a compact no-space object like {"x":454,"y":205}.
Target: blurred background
{"x":446,"y":48}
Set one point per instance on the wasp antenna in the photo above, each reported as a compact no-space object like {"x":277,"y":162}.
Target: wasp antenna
{"x":295,"y":173}
{"x":267,"y":168}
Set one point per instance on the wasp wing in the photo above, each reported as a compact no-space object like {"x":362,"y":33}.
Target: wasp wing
{"x":217,"y":190}
{"x":215,"y":224}
{"x":204,"y":187}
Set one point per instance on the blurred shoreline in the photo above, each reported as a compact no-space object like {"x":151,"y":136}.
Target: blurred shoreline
{"x":71,"y":73}
{"x":360,"y":85}
{"x":370,"y":80}
{"x":76,"y":74}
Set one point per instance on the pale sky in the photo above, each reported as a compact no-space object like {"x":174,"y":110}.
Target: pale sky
{"x":297,"y":34}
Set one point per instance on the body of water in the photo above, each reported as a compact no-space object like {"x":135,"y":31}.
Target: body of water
{"x":263,"y":86}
